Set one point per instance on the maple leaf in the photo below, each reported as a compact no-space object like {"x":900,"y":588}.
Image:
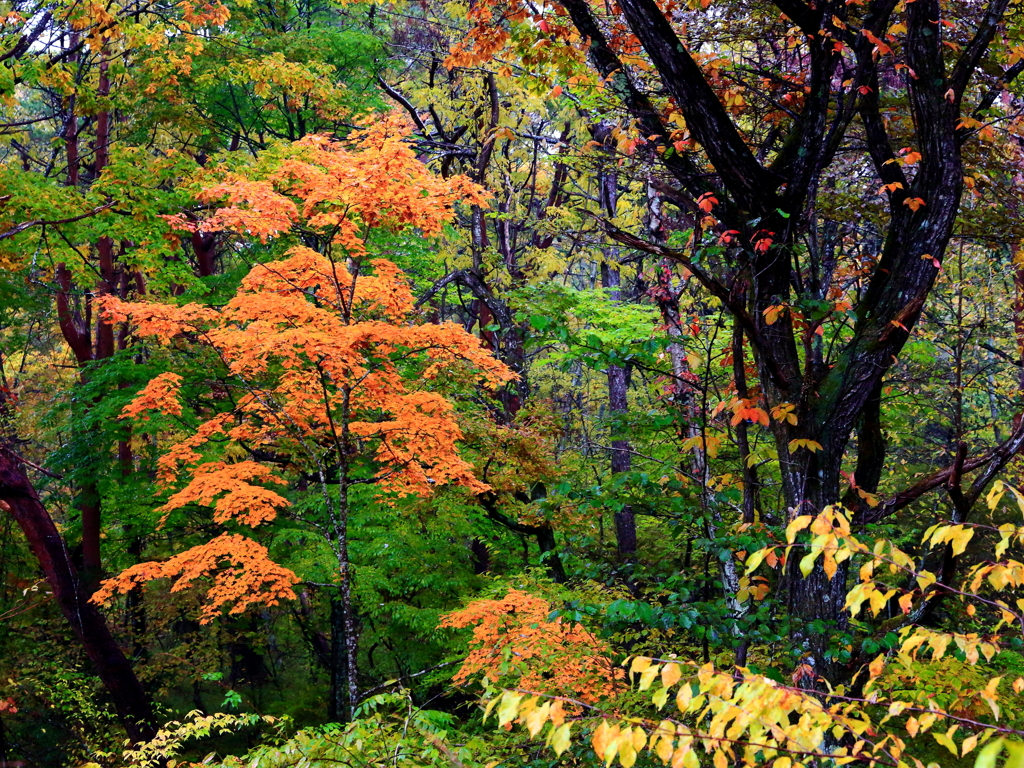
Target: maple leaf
{"x":160,"y":394}
{"x":249,"y":577}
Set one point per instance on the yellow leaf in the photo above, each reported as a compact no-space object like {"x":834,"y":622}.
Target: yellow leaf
{"x":627,"y":754}
{"x":755,"y":560}
{"x":664,"y":749}
{"x":683,"y":697}
{"x":969,"y":743}
{"x":508,"y":709}
{"x":660,"y":697}
{"x":830,"y":565}
{"x":947,"y":742}
{"x":640,"y":663}
{"x":877,"y":601}
{"x":875,"y":667}
{"x":796,"y":525}
{"x":603,"y":740}
{"x":905,"y":602}
{"x":912,"y":726}
{"x":560,"y":738}
{"x":648,"y":676}
{"x":684,"y":756}
{"x":639,"y":738}
{"x":670,"y":675}
{"x":810,"y":445}
{"x":807,"y":562}
{"x":537,"y":717}
{"x":959,"y":537}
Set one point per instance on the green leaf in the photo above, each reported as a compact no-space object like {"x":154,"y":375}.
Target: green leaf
{"x":987,"y":756}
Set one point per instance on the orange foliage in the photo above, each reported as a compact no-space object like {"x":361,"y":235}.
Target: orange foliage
{"x":322,"y":354}
{"x":161,"y":394}
{"x":377,"y":183}
{"x":547,"y":656}
{"x":251,"y":579}
{"x":249,"y":504}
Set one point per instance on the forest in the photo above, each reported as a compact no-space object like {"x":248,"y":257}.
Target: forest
{"x":485,"y":383}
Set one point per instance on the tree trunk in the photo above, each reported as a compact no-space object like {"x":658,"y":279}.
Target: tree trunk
{"x":339,"y":706}
{"x":19,"y":498}
{"x":618,"y":384}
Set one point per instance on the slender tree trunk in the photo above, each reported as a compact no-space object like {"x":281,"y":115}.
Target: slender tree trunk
{"x":621,"y":450}
{"x":618,"y":385}
{"x":344,"y":633}
{"x":339,"y":705}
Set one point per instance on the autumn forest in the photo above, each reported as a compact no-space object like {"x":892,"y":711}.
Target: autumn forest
{"x":485,"y":383}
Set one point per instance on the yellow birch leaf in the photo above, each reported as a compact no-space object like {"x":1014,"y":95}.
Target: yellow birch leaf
{"x":508,"y":709}
{"x":639,"y":738}
{"x":947,"y":742}
{"x":537,"y":717}
{"x":797,"y":525}
{"x":640,"y":663}
{"x":681,"y":755}
{"x":875,"y":667}
{"x":830,"y":565}
{"x":627,"y":755}
{"x":755,"y":560}
{"x":912,"y":726}
{"x":670,"y":674}
{"x":683,"y":697}
{"x":877,"y":602}
{"x":664,"y":749}
{"x":905,"y":602}
{"x":560,"y":738}
{"x":648,"y":676}
{"x":960,"y":538}
{"x":660,"y":697}
{"x":602,"y":738}
{"x":969,"y":743}
{"x":807,"y":562}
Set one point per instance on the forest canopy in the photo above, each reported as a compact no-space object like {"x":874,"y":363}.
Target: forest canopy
{"x":512,"y":383}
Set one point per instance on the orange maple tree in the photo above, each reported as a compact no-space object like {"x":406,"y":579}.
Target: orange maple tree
{"x":324,"y":365}
{"x":516,"y":644}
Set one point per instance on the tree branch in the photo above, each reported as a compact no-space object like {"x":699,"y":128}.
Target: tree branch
{"x":993,"y":461}
{"x":738,"y":310}
{"x":748,"y":182}
{"x":49,"y":222}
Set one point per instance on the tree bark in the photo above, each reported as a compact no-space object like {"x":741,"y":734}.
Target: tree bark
{"x":19,"y":498}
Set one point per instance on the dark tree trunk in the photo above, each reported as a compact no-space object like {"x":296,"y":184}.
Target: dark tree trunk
{"x":20,"y":500}
{"x":618,"y":381}
{"x":339,"y":707}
